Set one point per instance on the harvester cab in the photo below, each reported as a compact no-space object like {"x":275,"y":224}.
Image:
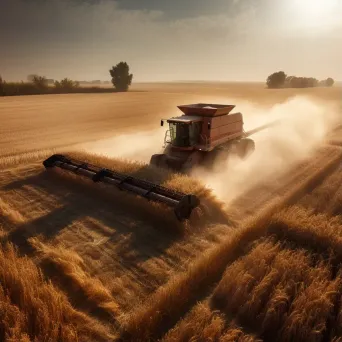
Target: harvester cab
{"x":183,"y":132}
{"x":201,"y":134}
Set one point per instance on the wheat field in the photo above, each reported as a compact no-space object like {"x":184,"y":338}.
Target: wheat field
{"x":258,"y":261}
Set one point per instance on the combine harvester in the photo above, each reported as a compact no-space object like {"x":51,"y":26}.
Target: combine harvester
{"x":203,"y":135}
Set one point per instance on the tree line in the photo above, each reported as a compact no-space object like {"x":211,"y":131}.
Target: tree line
{"x":36,"y":84}
{"x":281,"y":80}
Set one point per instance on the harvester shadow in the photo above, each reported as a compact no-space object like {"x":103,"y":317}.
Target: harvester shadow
{"x":35,"y":180}
{"x":48,"y":225}
{"x":79,"y":201}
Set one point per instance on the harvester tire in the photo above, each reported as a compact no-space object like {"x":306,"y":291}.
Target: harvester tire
{"x":158,"y":160}
{"x":192,"y":161}
{"x":245,"y":148}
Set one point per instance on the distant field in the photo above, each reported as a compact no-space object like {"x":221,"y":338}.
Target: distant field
{"x":41,"y":122}
{"x":259,"y":262}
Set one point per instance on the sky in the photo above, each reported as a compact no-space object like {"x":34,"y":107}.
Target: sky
{"x":169,"y":40}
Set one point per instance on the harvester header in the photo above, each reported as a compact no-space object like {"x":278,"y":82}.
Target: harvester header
{"x":183,"y":204}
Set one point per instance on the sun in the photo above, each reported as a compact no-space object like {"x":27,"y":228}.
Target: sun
{"x":312,"y":11}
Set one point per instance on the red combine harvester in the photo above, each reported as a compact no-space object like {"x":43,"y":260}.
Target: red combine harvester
{"x":204,"y":134}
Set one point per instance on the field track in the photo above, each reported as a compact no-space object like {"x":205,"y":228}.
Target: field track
{"x":126,"y":271}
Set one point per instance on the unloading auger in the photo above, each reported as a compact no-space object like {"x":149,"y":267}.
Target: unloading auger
{"x":183,"y":204}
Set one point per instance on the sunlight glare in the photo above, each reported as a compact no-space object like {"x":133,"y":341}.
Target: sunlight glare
{"x":311,"y":12}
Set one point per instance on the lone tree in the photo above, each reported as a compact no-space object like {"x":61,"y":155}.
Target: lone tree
{"x":2,"y":86}
{"x":121,"y":78}
{"x":329,"y":82}
{"x":276,"y":80}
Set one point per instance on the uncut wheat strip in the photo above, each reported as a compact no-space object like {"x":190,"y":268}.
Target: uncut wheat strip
{"x":321,"y":199}
{"x":10,"y":214}
{"x":13,"y":160}
{"x":335,"y":203}
{"x":318,"y":232}
{"x":201,"y":324}
{"x":171,"y":301}
{"x":239,"y":286}
{"x":269,"y":296}
{"x":310,"y":310}
{"x":204,"y":324}
{"x":70,"y":265}
{"x":47,"y":313}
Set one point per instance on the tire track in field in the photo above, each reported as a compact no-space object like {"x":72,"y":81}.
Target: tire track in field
{"x":248,"y":203}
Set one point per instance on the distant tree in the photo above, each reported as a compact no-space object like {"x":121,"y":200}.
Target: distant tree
{"x":31,"y":77}
{"x":2,"y":85}
{"x":40,"y":82}
{"x":312,"y":82}
{"x":276,"y":80}
{"x":121,"y":78}
{"x":289,"y":81}
{"x":300,"y":82}
{"x":66,"y":84}
{"x":329,"y":82}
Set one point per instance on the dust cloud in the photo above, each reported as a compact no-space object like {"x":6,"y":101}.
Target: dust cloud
{"x":138,"y":146}
{"x":302,"y":124}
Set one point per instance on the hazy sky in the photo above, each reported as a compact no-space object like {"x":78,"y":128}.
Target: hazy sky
{"x":171,"y":39}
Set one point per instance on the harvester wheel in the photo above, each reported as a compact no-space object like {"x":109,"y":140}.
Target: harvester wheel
{"x":245,"y":148}
{"x":158,"y":160}
{"x":192,"y":161}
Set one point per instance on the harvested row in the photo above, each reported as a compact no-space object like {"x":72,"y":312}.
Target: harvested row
{"x":176,"y":298}
{"x":248,"y":203}
{"x":327,"y":197}
{"x":319,"y":233}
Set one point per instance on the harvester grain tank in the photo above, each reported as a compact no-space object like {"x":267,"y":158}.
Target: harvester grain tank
{"x":204,"y":134}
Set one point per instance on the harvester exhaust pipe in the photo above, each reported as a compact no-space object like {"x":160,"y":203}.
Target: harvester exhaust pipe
{"x":183,"y":204}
